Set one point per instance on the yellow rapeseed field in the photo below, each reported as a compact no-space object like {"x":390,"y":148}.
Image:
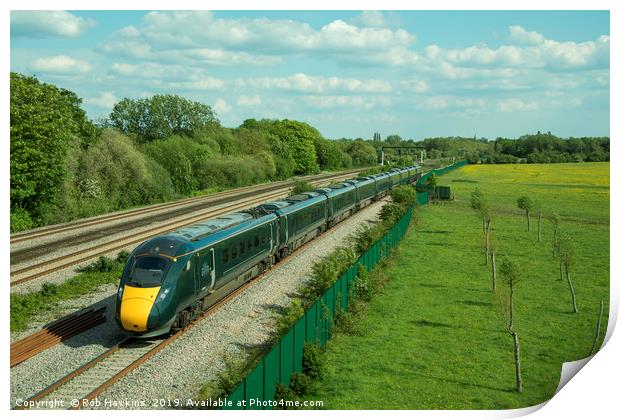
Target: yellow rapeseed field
{"x":583,"y":174}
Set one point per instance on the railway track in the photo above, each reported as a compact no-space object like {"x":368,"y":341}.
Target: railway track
{"x":76,"y":389}
{"x":184,"y":203}
{"x":38,"y":270}
{"x":55,"y":333}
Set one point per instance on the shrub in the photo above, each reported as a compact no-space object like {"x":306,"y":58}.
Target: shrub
{"x":20,"y":220}
{"x":102,"y":265}
{"x":390,"y":213}
{"x":301,"y":187}
{"x":326,"y":271}
{"x":363,"y":287}
{"x":404,"y":195}
{"x":312,"y":361}
{"x":293,"y":312}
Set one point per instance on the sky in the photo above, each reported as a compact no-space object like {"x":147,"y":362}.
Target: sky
{"x":348,"y":73}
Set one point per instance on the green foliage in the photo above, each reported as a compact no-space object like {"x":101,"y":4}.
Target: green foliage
{"x":363,"y":287}
{"x":566,"y":250}
{"x":391,"y":212}
{"x":431,"y":181}
{"x":326,"y":271}
{"x":160,"y":116}
{"x":292,"y":313}
{"x":46,"y":122}
{"x":102,"y":265}
{"x":20,"y":220}
{"x":299,"y":139}
{"x":404,"y":195}
{"x":524,"y":202}
{"x":300,"y":186}
{"x":477,"y":199}
{"x":25,"y":307}
{"x":508,"y":272}
{"x":362,"y":153}
{"x":330,"y":154}
{"x":312,"y":361}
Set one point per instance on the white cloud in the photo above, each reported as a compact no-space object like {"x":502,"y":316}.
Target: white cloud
{"x":520,"y":35}
{"x":338,"y":101}
{"x":106,"y":100}
{"x":60,"y":64}
{"x":415,"y":85}
{"x":301,"y":82}
{"x":451,"y":103}
{"x":371,"y":18}
{"x":244,"y":100}
{"x":221,"y":107}
{"x":515,"y":105}
{"x":39,"y":23}
{"x":239,"y":39}
{"x":546,"y":53}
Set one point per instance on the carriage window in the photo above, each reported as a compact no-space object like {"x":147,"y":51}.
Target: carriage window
{"x":233,"y":252}
{"x":256,"y":242}
{"x":225,"y":255}
{"x":242,"y":248}
{"x":249,"y":244}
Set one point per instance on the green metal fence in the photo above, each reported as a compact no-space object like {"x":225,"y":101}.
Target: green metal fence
{"x":285,"y":357}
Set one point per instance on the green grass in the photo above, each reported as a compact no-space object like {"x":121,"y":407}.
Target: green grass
{"x":434,"y":338}
{"x":26,"y":306}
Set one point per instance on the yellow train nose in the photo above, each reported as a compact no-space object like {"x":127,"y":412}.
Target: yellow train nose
{"x":136,"y":306}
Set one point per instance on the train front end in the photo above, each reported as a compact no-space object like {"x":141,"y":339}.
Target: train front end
{"x":145,"y":301}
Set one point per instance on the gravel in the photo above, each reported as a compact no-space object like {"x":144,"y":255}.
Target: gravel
{"x":246,"y":322}
{"x":180,"y":369}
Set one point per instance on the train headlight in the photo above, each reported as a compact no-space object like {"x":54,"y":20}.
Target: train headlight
{"x":162,"y":295}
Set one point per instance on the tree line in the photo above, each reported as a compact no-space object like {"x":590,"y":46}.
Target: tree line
{"x":65,"y":166}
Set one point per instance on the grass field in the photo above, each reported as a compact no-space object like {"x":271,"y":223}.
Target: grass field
{"x":435,"y":338}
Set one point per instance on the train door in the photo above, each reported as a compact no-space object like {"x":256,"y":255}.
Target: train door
{"x":204,"y":270}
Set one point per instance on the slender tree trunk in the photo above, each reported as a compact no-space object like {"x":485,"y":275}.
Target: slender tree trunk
{"x":517,"y":352}
{"x":486,"y":243}
{"x":510,"y":309}
{"x":598,"y":328}
{"x":494,"y":271}
{"x":561,"y":272}
{"x":555,"y":241}
{"x":572,"y":289}
{"x":527,"y":216}
{"x":539,"y":223}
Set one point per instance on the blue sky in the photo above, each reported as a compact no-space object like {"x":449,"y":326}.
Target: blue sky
{"x":348,"y":73}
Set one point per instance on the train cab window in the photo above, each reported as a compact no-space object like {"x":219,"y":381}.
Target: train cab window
{"x":225,"y":255}
{"x":256,"y":241}
{"x":233,"y":252}
{"x":148,"y":271}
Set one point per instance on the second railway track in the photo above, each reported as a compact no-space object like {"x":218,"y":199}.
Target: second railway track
{"x":43,"y":268}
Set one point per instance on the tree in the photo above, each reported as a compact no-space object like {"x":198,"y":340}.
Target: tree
{"x":362,"y":153}
{"x":525,"y":203}
{"x":485,"y":212}
{"x":492,"y":246}
{"x":566,"y":251}
{"x":554,"y":219}
{"x":299,"y":137}
{"x":46,"y":121}
{"x":510,"y":277}
{"x":539,"y":222}
{"x":160,"y":117}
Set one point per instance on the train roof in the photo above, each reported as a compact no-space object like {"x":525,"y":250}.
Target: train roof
{"x":209,"y":226}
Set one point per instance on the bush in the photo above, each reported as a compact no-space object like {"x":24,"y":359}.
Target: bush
{"x":363,"y":287}
{"x":21,"y":220}
{"x":291,"y":315}
{"x":102,"y":265}
{"x":301,"y":187}
{"x":390,"y":213}
{"x":403,"y":194}
{"x":326,"y":271}
{"x":312,"y":361}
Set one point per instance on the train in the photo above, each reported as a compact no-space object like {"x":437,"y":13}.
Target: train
{"x":169,"y":280}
